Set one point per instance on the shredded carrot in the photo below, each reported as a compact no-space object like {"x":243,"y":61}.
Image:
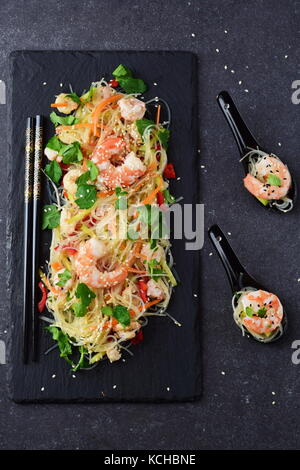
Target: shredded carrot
{"x":58,"y":105}
{"x":57,"y":266}
{"x":152,"y":166}
{"x":75,"y":126}
{"x":99,"y":108}
{"x":158,"y":114}
{"x":105,"y":194}
{"x":152,"y":195}
{"x":149,"y":304}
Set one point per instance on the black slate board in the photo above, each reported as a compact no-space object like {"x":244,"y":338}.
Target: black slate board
{"x":169,"y":356}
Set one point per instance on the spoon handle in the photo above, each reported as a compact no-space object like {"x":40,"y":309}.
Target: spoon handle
{"x":242,"y":135}
{"x":237,"y":275}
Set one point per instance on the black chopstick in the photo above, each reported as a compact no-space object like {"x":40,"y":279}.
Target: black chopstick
{"x":38,"y":152}
{"x":28,"y":174}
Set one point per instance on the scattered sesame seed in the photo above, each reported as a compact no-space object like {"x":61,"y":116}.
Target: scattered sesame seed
{"x":202,"y":166}
{"x":222,"y":372}
{"x":232,"y":71}
{"x":286,"y":56}
{"x":44,"y":83}
{"x":217,"y":50}
{"x":178,"y":179}
{"x":210,"y":254}
{"x":240,"y":82}
{"x":193,"y":35}
{"x":273,"y":402}
{"x":279,"y":143}
{"x":195,"y":295}
{"x":114,"y":387}
{"x":225,"y":31}
{"x":198,"y":150}
{"x":168,"y":389}
{"x":61,"y":85}
{"x":225,"y":67}
{"x":123,"y":360}
{"x":154,"y":83}
{"x":74,"y":376}
{"x":298,"y":279}
{"x":246,"y":90}
{"x":42,"y":389}
{"x":229,"y":233}
{"x":53,"y":376}
{"x":5,"y":331}
{"x":273,"y":393}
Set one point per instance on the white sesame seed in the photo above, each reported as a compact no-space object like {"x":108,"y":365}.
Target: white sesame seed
{"x":210,"y":254}
{"x":193,"y":35}
{"x":53,"y":376}
{"x":202,"y":166}
{"x":225,"y":31}
{"x":279,"y":143}
{"x":198,"y":150}
{"x":123,"y":360}
{"x":273,"y":393}
{"x":222,"y":372}
{"x":42,"y":389}
{"x":229,"y":233}
{"x":218,"y":50}
{"x":225,"y":67}
{"x":240,"y":82}
{"x":232,"y":71}
{"x":74,"y":376}
{"x":5,"y":331}
{"x":246,"y":90}
{"x":286,"y":56}
{"x":114,"y":386}
{"x":195,"y":295}
{"x":44,"y":83}
{"x":179,"y":178}
{"x":273,"y":402}
{"x":168,"y":389}
{"x":61,"y":85}
{"x":298,"y":279}
{"x":154,"y":83}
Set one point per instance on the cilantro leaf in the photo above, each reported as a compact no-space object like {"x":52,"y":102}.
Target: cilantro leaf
{"x":142,"y":125}
{"x":83,"y":179}
{"x":154,"y":272}
{"x":83,"y":362}
{"x":64,"y":278}
{"x":53,"y":171}
{"x":122,"y":72}
{"x":164,"y":135}
{"x":62,"y":340}
{"x":94,"y":172}
{"x":62,"y":120}
{"x":274,"y":180}
{"x":71,"y":153}
{"x":132,"y":85}
{"x":249,"y":311}
{"x":121,"y":314}
{"x":86,"y":194}
{"x":89,"y":94}
{"x":51,"y":217}
{"x":86,"y":295}
{"x":262,"y":312}
{"x":54,"y":143}
{"x":74,"y":97}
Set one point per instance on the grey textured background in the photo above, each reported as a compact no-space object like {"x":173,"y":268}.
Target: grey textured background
{"x":251,"y":392}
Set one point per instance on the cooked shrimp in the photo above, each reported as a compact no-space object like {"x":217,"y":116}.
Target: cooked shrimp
{"x":267,"y":312}
{"x":67,"y":104}
{"x":153,"y":290}
{"x":52,"y":154}
{"x":113,"y":176}
{"x":258,"y":185}
{"x":69,"y":181}
{"x":89,"y":253}
{"x":131,"y":108}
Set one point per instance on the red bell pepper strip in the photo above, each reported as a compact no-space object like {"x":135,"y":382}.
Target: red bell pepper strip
{"x":142,"y":286}
{"x":113,"y":83}
{"x":138,"y":337}
{"x":169,"y":171}
{"x":160,"y":198}
{"x":42,"y":302}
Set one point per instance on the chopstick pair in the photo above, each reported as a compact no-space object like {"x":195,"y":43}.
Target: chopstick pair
{"x":32,"y":209}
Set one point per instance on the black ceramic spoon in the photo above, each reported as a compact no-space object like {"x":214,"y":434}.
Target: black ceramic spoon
{"x":238,"y":277}
{"x":245,"y":141}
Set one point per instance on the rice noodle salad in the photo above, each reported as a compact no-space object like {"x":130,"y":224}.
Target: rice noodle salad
{"x":268,"y":179}
{"x":109,"y":175}
{"x":259,"y":313}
